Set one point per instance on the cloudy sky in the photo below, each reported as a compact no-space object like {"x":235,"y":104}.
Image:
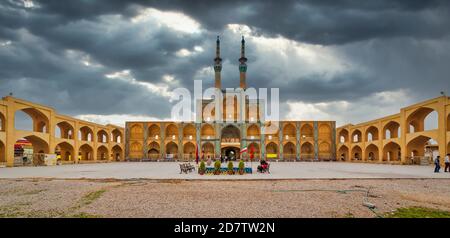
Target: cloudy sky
{"x":113,"y":60}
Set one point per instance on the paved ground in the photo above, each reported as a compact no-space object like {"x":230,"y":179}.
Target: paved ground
{"x":179,"y":198}
{"x":281,"y":170}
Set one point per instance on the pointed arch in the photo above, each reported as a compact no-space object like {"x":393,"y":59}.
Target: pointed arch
{"x":289,"y":131}
{"x":416,"y":147}
{"x":343,"y":153}
{"x":372,"y":134}
{"x":189,"y":151}
{"x":102,"y":153}
{"x":154,"y":132}
{"x":86,"y":133}
{"x":171,"y":150}
{"x":253,"y":132}
{"x":189,"y":148}
{"x":136,"y":150}
{"x":208,"y":132}
{"x":307,"y":151}
{"x":39,"y":121}
{"x":66,"y":130}
{"x":116,"y":136}
{"x":153,"y":152}
{"x":324,"y":131}
{"x":416,"y":120}
{"x":136,"y":132}
{"x":343,"y":135}
{"x":117,"y":153}
{"x":189,"y":132}
{"x":289,"y":151}
{"x":306,"y":131}
{"x":271,"y":150}
{"x":371,"y":153}
{"x":231,"y":133}
{"x":172,"y":131}
{"x":356,"y":136}
{"x":207,"y":150}
{"x":356,"y":153}
{"x":391,"y":130}
{"x":325,"y":151}
{"x":39,"y":145}
{"x":391,"y":152}
{"x":102,"y":136}
{"x":65,"y":151}
{"x":86,"y":152}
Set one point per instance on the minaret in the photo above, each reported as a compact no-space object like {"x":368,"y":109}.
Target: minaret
{"x":218,"y":65}
{"x":242,"y":65}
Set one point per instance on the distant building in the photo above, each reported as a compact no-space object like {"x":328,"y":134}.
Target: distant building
{"x":401,"y":138}
{"x":228,"y":128}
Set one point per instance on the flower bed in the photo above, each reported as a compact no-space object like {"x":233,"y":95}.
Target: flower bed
{"x":210,"y":170}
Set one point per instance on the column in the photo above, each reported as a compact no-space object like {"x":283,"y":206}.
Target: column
{"x":280,"y":141}
{"x":94,"y":143}
{"x":243,"y":128}
{"x":51,"y":130}
{"x":145,"y":145}
{"x":10,"y":132}
{"x":180,"y":142}
{"x":198,"y":138}
{"x":402,"y":139}
{"x":442,"y":132}
{"x":380,"y":141}
{"x":262,"y":146}
{"x":333,"y":140}
{"x":163,"y":138}
{"x":316,"y":141}
{"x":127,"y":140}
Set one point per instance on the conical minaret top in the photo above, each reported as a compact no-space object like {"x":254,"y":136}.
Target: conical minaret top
{"x":218,"y":65}
{"x":242,"y":66}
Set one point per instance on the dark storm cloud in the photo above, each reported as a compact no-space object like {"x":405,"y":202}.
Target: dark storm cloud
{"x":318,"y":22}
{"x":399,"y":44}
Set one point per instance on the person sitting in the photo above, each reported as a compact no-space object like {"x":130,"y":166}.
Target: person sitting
{"x":263,"y":166}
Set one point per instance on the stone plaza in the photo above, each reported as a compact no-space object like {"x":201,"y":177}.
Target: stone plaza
{"x":170,"y":170}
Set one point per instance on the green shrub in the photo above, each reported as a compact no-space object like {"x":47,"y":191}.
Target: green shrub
{"x":217,"y":165}
{"x":230,"y":166}
{"x":202,"y":166}
{"x":241,"y":165}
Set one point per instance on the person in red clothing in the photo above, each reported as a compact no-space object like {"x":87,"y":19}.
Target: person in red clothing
{"x":263,"y":166}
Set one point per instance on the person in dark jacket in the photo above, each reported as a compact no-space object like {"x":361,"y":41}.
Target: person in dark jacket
{"x":437,"y":164}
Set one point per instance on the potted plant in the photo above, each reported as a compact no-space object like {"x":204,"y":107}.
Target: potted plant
{"x":241,"y":167}
{"x":230,"y":168}
{"x":202,"y":168}
{"x":217,"y":165}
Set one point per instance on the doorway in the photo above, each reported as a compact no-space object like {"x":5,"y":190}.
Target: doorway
{"x":230,"y":153}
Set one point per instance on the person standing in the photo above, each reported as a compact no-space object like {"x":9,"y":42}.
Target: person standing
{"x":447,"y":163}
{"x":437,"y":164}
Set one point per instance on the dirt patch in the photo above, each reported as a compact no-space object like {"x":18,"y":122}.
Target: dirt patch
{"x":181,"y":198}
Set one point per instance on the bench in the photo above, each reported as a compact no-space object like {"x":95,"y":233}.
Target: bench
{"x":186,"y":167}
